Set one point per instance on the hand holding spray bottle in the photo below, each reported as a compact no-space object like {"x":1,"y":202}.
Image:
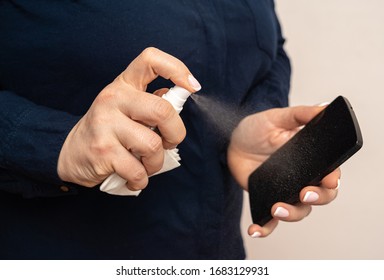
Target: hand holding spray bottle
{"x":115,"y":185}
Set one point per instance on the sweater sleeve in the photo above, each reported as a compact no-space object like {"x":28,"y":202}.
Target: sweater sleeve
{"x":31,"y":140}
{"x":272,"y":91}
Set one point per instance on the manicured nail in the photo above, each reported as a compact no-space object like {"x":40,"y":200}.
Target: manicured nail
{"x":323,"y":104}
{"x":338,"y":184}
{"x":281,"y":212}
{"x":310,"y":196}
{"x":194,"y":83}
{"x":256,"y":234}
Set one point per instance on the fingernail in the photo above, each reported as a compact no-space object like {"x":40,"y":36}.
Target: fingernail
{"x":256,"y":234}
{"x":310,"y":196}
{"x":194,"y":83}
{"x":338,"y":184}
{"x":323,"y":104}
{"x":281,"y":212}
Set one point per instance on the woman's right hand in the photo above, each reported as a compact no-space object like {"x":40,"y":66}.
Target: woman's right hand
{"x":114,"y":136}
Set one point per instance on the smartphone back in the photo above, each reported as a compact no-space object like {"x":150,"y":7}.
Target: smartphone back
{"x":327,"y":141}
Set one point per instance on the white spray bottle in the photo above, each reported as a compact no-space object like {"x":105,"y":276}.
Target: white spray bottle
{"x":115,"y":185}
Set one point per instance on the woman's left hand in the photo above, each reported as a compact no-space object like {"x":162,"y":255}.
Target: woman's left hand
{"x":269,"y":130}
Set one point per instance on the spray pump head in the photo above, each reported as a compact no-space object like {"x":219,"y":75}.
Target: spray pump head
{"x":177,"y":97}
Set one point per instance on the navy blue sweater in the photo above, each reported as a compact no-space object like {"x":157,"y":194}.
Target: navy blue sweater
{"x":56,"y":56}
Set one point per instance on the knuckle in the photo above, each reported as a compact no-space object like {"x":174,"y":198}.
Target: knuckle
{"x":136,"y":186}
{"x":156,"y":168}
{"x":111,"y":95}
{"x":181,"y":135}
{"x":149,"y":53}
{"x":178,"y":137}
{"x":162,"y":110}
{"x":138,"y":175}
{"x":100,"y":172}
{"x":101,"y":148}
{"x":95,"y":120}
{"x":108,"y":95}
{"x":154,"y":143}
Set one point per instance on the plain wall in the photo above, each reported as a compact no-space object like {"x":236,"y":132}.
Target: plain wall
{"x":336,"y":48}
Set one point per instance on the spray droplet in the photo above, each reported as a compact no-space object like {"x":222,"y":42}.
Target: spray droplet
{"x":223,"y":117}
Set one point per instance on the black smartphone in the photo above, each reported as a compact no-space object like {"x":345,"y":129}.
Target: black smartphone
{"x":327,"y":141}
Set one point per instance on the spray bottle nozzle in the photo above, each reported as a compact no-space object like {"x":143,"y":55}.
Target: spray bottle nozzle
{"x":177,"y":97}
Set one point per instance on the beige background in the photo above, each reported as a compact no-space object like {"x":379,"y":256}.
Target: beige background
{"x":336,"y":47}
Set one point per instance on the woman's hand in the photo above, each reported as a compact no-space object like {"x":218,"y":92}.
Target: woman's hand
{"x":114,"y":136}
{"x":255,"y":139}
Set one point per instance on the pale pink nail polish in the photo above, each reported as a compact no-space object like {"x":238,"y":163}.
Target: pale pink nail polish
{"x":310,"y":196}
{"x":194,"y":83}
{"x":281,"y":212}
{"x":256,"y":234}
{"x":338,"y":184}
{"x":323,"y":104}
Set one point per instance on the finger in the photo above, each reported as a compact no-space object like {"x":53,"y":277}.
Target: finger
{"x":323,"y":194}
{"x":317,"y":195}
{"x":160,"y":92}
{"x":255,"y":231}
{"x":332,"y":180}
{"x":293,"y":117}
{"x":142,"y":142}
{"x":290,"y":213}
{"x":152,"y":63}
{"x":128,"y":167}
{"x":157,"y":112}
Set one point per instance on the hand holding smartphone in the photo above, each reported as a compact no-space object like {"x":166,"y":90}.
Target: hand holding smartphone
{"x":327,"y":141}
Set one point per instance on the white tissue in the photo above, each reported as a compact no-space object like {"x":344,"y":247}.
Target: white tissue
{"x":115,"y":185}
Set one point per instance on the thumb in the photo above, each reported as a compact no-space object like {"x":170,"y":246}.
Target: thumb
{"x":293,"y":117}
